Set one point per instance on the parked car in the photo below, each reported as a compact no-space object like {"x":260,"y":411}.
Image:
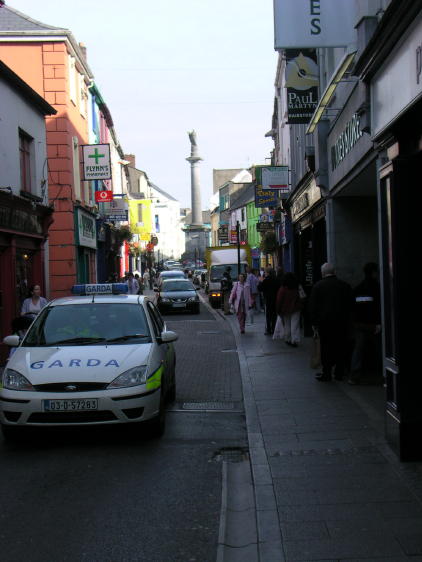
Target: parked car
{"x":97,"y":358}
{"x":169,"y":274}
{"x":177,"y":295}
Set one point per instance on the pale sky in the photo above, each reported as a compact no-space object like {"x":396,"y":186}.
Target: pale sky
{"x":165,"y":67}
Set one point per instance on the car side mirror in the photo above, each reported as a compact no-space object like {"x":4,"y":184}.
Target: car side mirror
{"x":12,"y":341}
{"x":197,"y":288}
{"x":168,"y":336}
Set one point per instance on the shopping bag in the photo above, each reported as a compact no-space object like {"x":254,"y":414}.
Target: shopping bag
{"x":315,"y":352}
{"x":279,"y":329}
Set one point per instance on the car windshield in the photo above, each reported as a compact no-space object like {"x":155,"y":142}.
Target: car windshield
{"x":177,"y":285}
{"x":90,"y":323}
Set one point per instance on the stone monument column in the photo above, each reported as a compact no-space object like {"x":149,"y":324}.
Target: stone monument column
{"x":194,"y":160}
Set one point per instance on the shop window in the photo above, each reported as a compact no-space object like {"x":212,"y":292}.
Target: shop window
{"x":26,"y":156}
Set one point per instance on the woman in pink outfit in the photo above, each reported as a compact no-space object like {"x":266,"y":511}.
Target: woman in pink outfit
{"x":241,"y":299}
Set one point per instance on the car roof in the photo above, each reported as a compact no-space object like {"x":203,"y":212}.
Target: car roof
{"x":172,"y":272}
{"x":80,"y":300}
{"x":172,"y":280}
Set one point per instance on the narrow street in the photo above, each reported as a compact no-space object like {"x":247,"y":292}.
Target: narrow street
{"x":111,"y":494}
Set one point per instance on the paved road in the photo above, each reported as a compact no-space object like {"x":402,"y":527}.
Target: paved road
{"x":113,"y":496}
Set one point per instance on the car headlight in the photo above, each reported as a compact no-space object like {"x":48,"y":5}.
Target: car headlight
{"x":132,"y":377}
{"x":193,"y":299}
{"x":12,"y":380}
{"x":165,"y":299}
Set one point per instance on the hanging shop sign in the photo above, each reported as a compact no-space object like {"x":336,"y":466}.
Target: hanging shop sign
{"x":117,"y":210}
{"x":266,"y":197}
{"x":86,"y":231}
{"x":223,"y":233}
{"x":103,"y":196}
{"x":264,"y":226}
{"x":273,"y":177}
{"x":313,"y":23}
{"x":302,"y":84}
{"x":96,"y":162}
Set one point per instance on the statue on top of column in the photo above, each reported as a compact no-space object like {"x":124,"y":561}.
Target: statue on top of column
{"x":193,"y":143}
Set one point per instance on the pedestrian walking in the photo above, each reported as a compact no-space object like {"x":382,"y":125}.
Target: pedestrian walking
{"x":330,"y":311}
{"x":141,"y":285}
{"x":226,"y":287}
{"x":32,"y":305}
{"x":366,"y":325}
{"x":132,"y":283}
{"x":241,"y":299}
{"x":146,"y":278}
{"x":289,"y":306}
{"x":252,"y":280}
{"x":269,"y":287}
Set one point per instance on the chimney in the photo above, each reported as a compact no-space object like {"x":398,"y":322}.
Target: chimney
{"x":83,"y":50}
{"x":131,"y":159}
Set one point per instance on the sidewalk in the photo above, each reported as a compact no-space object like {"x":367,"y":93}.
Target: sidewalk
{"x":327,"y":485}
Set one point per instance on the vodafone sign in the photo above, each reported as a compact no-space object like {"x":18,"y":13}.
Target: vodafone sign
{"x":102,"y":196}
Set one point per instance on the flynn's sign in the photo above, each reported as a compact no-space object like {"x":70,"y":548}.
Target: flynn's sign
{"x":346,"y":141}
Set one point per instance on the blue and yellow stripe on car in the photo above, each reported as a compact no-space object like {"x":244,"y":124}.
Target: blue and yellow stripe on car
{"x":154,"y":380}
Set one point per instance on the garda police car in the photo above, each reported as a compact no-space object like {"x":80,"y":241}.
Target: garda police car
{"x":100,"y":357}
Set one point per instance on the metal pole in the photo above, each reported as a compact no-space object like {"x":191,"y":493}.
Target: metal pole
{"x":238,"y":246}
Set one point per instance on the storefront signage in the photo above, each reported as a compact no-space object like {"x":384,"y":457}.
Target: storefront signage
{"x":390,"y":94}
{"x":306,"y":199}
{"x":313,"y":23}
{"x":265,"y":198}
{"x":96,"y":162}
{"x":223,"y":233}
{"x":264,"y":226}
{"x":103,"y":196}
{"x":117,"y":210}
{"x":86,"y":229}
{"x":346,"y":141}
{"x":302,"y":78}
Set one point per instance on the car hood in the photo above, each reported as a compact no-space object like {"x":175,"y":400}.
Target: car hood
{"x":93,"y":363}
{"x":177,"y":294}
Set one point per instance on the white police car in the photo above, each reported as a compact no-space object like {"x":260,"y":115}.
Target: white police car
{"x":102,"y":357}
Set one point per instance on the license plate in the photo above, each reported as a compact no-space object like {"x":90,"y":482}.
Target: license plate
{"x":77,"y":405}
{"x":179,"y":304}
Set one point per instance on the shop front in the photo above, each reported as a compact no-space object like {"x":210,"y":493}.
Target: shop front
{"x":352,"y":206}
{"x":307,"y":212}
{"x":23,"y":230}
{"x":397,"y":132}
{"x":86,"y":246}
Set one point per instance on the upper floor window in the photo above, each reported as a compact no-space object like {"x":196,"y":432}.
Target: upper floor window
{"x":26,"y":144}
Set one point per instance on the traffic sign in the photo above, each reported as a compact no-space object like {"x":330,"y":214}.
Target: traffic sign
{"x":103,"y":196}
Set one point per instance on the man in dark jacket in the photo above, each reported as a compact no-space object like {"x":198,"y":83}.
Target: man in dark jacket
{"x":366,"y":323}
{"x":330,"y":310}
{"x":226,"y":287}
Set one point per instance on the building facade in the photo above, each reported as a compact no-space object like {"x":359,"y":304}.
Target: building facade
{"x":25,"y":216}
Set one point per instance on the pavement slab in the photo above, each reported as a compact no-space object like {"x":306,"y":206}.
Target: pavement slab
{"x":320,"y":456}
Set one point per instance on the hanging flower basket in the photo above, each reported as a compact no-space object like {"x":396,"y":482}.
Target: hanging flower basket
{"x":268,"y":243}
{"x":124,"y":234}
